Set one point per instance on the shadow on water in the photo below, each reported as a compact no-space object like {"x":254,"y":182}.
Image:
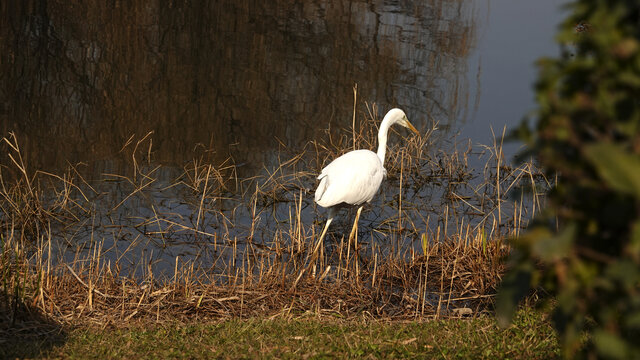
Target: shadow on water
{"x":236,"y":78}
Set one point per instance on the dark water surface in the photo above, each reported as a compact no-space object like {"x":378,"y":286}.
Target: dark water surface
{"x":78,"y":79}
{"x":241,"y":79}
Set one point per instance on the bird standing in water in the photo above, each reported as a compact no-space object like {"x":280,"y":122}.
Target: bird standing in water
{"x":355,"y":177}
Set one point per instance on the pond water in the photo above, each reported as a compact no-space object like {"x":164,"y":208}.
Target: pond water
{"x":236,"y":82}
{"x":242,"y":78}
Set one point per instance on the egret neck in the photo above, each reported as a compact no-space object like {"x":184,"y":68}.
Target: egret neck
{"x":382,"y":136}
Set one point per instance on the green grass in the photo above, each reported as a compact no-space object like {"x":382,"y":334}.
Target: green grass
{"x":531,"y":336}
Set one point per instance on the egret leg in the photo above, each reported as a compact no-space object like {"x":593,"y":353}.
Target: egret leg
{"x":354,"y":236}
{"x":354,"y":230}
{"x":326,"y":227}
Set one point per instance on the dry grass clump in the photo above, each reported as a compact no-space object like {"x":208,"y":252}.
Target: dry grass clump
{"x":449,"y":280}
{"x":203,"y":244}
{"x":24,"y":203}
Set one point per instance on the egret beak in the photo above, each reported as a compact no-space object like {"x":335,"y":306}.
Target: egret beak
{"x":412,"y":128}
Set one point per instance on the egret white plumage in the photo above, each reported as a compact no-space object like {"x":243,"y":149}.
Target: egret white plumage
{"x":355,"y":177}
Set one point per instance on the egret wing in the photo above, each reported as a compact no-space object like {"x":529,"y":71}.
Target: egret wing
{"x":353,"y":178}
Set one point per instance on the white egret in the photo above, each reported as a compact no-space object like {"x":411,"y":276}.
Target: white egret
{"x":355,"y":177}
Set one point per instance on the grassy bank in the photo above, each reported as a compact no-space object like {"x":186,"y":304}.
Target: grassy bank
{"x":530,"y":337}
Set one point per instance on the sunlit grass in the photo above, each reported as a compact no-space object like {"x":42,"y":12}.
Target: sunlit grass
{"x":531,"y":336}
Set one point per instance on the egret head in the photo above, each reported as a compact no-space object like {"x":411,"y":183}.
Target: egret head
{"x":398,"y":116}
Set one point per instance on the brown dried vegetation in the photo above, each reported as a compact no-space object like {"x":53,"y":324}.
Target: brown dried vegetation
{"x":449,"y":266}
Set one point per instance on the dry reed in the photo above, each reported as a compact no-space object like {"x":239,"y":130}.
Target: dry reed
{"x":430,"y":246}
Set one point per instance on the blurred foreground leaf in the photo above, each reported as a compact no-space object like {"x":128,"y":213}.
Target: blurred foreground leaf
{"x":515,"y":286}
{"x":610,"y":346}
{"x":618,"y":168}
{"x":586,"y":264}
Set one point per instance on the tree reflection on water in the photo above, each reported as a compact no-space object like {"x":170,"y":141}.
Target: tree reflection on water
{"x":238,"y":77}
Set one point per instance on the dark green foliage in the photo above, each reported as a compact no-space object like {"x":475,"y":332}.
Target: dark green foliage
{"x":585,"y":248}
